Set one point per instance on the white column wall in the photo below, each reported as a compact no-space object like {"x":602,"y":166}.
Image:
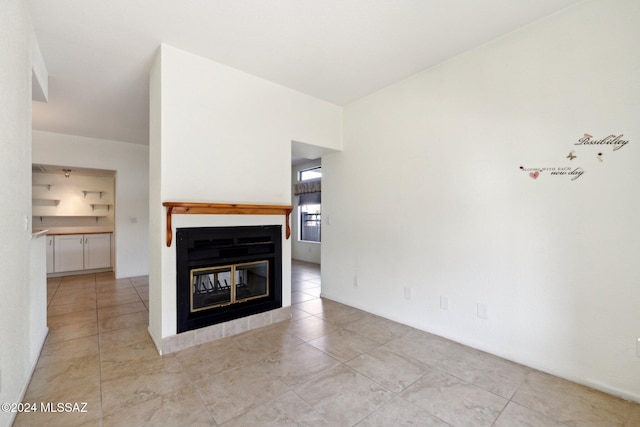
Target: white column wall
{"x":221,"y":136}
{"x":428,"y":195}
{"x":23,"y":330}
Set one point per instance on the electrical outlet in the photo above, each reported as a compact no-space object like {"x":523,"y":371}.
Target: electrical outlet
{"x":444,"y":303}
{"x":482,"y":311}
{"x":407,"y":293}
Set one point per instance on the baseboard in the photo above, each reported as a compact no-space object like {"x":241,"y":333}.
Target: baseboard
{"x":79,"y":272}
{"x":533,"y":364}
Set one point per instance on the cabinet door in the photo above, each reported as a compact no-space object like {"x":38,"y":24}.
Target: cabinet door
{"x":68,"y":253}
{"x":97,"y":251}
{"x":50,"y":254}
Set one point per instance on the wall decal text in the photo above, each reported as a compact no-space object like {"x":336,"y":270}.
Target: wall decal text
{"x":617,"y":141}
{"x":573,"y":173}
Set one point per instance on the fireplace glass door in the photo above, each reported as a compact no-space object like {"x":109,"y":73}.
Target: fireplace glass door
{"x":225,"y":285}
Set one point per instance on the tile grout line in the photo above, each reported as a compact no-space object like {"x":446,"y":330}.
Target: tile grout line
{"x":195,"y":388}
{"x":397,"y":394}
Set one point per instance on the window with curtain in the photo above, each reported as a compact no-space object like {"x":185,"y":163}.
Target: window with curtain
{"x":309,"y":193}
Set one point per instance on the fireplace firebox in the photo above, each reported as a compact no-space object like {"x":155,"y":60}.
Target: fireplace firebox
{"x":225,"y":273}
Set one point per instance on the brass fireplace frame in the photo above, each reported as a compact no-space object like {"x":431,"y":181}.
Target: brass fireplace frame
{"x":233,"y":286}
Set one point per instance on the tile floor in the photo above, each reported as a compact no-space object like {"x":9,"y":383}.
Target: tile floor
{"x":330,"y":365}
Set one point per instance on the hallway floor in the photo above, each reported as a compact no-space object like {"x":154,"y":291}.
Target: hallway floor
{"x":330,"y":365}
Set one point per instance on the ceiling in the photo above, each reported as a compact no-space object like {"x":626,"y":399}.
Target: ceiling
{"x":52,"y":169}
{"x":98,"y":53}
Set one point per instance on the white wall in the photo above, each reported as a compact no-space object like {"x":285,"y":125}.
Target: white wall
{"x":37,"y":298}
{"x":300,"y":250}
{"x":131,"y":163}
{"x":21,"y":325}
{"x":428,"y":194}
{"x":219,"y":135}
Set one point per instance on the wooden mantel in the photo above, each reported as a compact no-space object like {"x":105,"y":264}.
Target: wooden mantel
{"x":224,"y":209}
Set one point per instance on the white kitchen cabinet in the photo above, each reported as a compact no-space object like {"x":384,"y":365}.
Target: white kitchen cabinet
{"x":50,"y":267}
{"x":68,"y":252}
{"x":75,"y":252}
{"x":97,"y":251}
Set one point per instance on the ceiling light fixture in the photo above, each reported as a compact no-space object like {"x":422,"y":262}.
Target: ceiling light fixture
{"x":67,"y":172}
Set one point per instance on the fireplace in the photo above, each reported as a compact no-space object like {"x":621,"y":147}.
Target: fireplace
{"x":224,"y":273}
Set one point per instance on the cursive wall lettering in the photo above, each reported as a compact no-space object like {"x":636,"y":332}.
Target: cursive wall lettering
{"x":617,"y":141}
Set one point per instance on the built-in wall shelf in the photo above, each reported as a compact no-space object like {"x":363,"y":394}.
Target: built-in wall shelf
{"x":95,"y":206}
{"x":96,"y":216}
{"x":61,"y":202}
{"x":47,"y":186}
{"x":100,"y":193}
{"x":45,"y":202}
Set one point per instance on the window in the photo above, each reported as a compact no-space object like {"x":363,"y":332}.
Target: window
{"x":307,"y":174}
{"x":310,"y":223}
{"x":309,"y":197}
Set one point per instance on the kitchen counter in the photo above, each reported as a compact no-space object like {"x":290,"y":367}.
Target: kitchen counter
{"x":66,"y":233}
{"x":39,"y":233}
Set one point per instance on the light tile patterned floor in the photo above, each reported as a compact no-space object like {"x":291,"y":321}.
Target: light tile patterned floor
{"x":330,"y":365}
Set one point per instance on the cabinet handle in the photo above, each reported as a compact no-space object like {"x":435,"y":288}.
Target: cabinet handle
{"x":81,"y":240}
{"x":86,"y":240}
